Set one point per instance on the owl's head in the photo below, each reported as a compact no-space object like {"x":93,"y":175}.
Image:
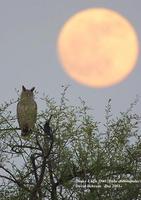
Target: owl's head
{"x":26,"y":93}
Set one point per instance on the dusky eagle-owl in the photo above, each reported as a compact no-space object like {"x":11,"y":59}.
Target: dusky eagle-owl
{"x":26,"y":111}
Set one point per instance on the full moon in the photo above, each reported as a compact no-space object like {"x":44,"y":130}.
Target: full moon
{"x":98,"y":47}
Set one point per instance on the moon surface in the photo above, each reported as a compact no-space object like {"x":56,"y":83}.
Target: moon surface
{"x":98,"y":47}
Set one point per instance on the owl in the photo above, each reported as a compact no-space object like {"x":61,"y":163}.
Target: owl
{"x":26,"y":111}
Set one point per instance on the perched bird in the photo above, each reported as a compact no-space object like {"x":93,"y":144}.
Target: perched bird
{"x":47,"y":129}
{"x":26,"y":111}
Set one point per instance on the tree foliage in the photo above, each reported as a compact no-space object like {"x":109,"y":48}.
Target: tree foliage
{"x":73,"y":156}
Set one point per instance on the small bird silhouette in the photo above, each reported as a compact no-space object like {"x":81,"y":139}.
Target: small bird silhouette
{"x":47,"y":129}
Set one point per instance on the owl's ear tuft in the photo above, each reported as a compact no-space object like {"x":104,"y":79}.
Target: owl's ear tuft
{"x":24,"y":89}
{"x":32,"y":89}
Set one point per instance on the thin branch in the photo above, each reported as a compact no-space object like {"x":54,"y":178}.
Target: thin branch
{"x":10,"y":129}
{"x":18,"y":182}
{"x":34,"y":167}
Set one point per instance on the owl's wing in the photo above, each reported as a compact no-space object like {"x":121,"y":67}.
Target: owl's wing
{"x":34,"y":111}
{"x":21,"y":108}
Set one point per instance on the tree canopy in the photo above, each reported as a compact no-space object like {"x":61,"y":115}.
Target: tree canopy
{"x":70,"y":155}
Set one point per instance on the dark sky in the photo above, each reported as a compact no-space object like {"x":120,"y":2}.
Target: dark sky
{"x":28,"y":36}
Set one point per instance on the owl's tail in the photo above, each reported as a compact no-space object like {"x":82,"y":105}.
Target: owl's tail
{"x":26,"y":131}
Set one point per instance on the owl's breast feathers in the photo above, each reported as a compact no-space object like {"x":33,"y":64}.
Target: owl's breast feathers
{"x":27,"y":115}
